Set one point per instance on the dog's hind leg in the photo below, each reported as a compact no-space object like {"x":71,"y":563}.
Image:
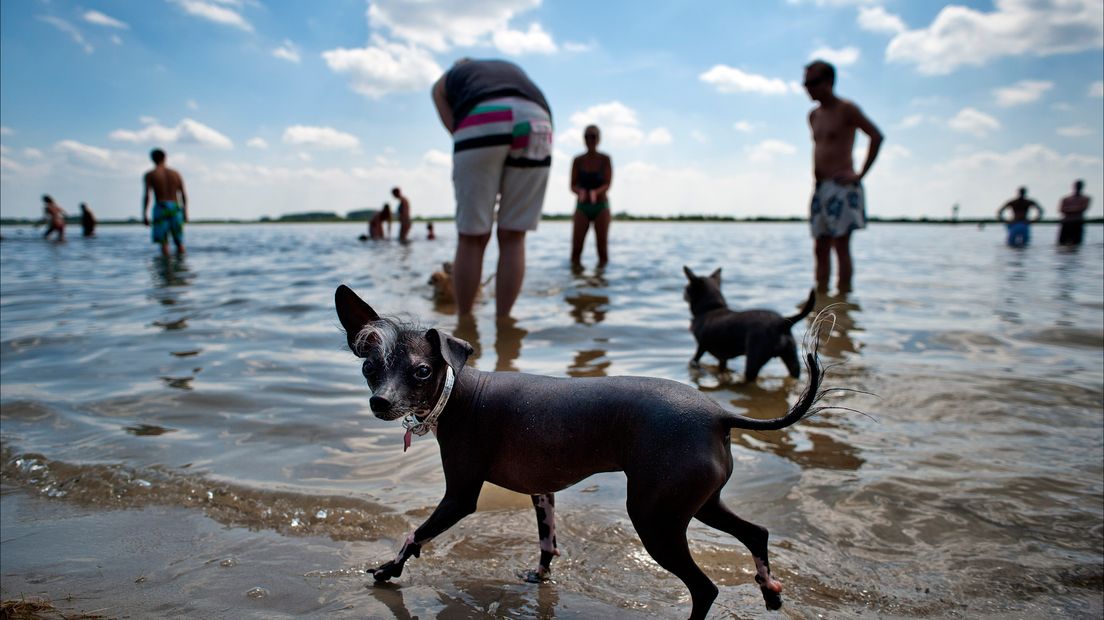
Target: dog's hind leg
{"x":545,"y":505}
{"x":715,"y":514}
{"x":789,"y":358}
{"x":664,"y":537}
{"x":696,"y":360}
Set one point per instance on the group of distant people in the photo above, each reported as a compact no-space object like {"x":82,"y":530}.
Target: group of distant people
{"x":1072,"y":208}
{"x":501,"y":127}
{"x":54,"y":218}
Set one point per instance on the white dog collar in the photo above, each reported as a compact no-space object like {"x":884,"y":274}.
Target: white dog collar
{"x":420,"y":427}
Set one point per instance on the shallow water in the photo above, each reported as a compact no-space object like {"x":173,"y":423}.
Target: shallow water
{"x":179,"y":433}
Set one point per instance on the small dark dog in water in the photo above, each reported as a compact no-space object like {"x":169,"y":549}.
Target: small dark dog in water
{"x":725,"y":334}
{"x":538,"y":435}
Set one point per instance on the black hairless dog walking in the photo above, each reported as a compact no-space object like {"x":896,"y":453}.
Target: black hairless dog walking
{"x":538,"y":435}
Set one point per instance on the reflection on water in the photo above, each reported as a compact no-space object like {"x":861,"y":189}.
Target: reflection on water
{"x":217,"y":383}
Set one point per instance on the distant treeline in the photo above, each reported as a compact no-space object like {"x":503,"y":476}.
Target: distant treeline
{"x":362,"y":217}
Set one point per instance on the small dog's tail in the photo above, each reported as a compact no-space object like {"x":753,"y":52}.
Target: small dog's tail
{"x":809,"y":303}
{"x":803,"y":409}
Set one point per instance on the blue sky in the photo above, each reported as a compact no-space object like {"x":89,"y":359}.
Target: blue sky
{"x":274,"y":107}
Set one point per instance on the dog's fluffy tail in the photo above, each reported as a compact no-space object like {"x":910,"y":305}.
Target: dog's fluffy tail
{"x":809,"y":303}
{"x":805,"y":403}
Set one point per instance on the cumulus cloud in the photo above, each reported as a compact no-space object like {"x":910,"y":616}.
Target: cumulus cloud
{"x":911,"y":121}
{"x":743,"y":127}
{"x":971,"y":121}
{"x":839,"y":57}
{"x":1096,"y":89}
{"x":69,"y":29}
{"x":619,"y":125}
{"x":767,"y":150}
{"x":434,"y":157}
{"x":577,"y":47}
{"x":98,"y":18}
{"x":963,"y":36}
{"x":287,"y":51}
{"x":257,"y":143}
{"x":877,"y":19}
{"x":384,"y":67}
{"x":442,"y":24}
{"x":187,"y":131}
{"x":732,"y":80}
{"x":6,"y":131}
{"x":1075,"y":131}
{"x":533,"y":41}
{"x":320,"y":137}
{"x":217,"y":11}
{"x":1024,"y":91}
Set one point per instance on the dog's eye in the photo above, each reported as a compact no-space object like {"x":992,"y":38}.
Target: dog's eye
{"x":367,"y":368}
{"x":422,"y":372}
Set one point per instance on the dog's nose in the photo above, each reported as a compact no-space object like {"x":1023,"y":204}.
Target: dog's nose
{"x":379,"y":404}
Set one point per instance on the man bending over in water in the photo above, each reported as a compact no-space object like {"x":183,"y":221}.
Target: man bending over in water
{"x":170,"y":210}
{"x":838,"y":206}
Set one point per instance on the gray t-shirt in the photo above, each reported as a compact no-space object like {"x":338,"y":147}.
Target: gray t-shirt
{"x":478,"y":80}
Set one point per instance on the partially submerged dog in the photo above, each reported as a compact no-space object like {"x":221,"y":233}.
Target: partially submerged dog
{"x":725,"y":334}
{"x":538,"y":435}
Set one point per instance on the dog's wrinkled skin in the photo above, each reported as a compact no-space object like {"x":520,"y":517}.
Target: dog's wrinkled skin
{"x":725,"y":334}
{"x":537,"y":435}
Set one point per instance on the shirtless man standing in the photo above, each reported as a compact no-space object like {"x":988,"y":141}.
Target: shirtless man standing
{"x":838,"y":206}
{"x":1019,"y":227}
{"x":170,"y":210}
{"x":1073,"y":209}
{"x":404,"y":213}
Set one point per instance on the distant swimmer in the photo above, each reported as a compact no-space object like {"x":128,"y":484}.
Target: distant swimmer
{"x":170,"y":209}
{"x":838,"y":206}
{"x":1073,"y":209}
{"x":55,"y":218}
{"x":376,"y":220}
{"x":1019,"y":227}
{"x":404,"y":213}
{"x":591,"y":177}
{"x":88,"y":220}
{"x":429,"y":231}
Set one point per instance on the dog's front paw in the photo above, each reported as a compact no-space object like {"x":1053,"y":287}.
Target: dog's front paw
{"x":386,"y":571}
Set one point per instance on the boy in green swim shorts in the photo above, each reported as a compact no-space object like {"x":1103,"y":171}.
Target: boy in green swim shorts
{"x":170,"y":210}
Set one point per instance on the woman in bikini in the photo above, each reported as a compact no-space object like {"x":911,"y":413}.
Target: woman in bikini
{"x":591,"y":176}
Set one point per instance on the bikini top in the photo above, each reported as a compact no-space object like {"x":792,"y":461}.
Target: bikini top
{"x":591,"y":179}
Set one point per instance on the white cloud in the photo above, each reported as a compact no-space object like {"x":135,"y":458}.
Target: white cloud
{"x":533,"y":41}
{"x":69,"y":29}
{"x":699,"y":136}
{"x":577,"y":47}
{"x":1096,"y":89}
{"x":147,"y":120}
{"x":442,"y":24}
{"x":1075,"y":131}
{"x":877,"y":19}
{"x":98,"y":18}
{"x":288,"y":51}
{"x":216,"y":12}
{"x":963,"y":36}
{"x":969,"y":120}
{"x":257,"y":143}
{"x":840,"y":57}
{"x":911,"y":121}
{"x":434,"y":157}
{"x":88,"y":158}
{"x":32,"y":153}
{"x":320,"y":137}
{"x":6,"y":131}
{"x":1024,"y":91}
{"x":384,"y":68}
{"x":732,"y":80}
{"x":743,"y":127}
{"x":767,"y":150}
{"x":619,"y":125}
{"x":187,"y":131}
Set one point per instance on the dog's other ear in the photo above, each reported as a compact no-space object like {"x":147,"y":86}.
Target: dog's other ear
{"x":689,"y":274}
{"x":353,"y":313}
{"x":454,"y":351}
{"x":716,"y":276}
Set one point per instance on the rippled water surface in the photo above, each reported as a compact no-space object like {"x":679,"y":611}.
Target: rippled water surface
{"x":190,"y":437}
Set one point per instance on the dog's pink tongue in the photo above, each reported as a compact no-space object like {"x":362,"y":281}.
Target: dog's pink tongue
{"x":406,"y":439}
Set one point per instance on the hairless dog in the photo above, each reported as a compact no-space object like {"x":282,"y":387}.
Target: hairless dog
{"x":538,"y":435}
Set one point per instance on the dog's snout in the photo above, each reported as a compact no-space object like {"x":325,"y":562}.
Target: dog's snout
{"x":379,"y":404}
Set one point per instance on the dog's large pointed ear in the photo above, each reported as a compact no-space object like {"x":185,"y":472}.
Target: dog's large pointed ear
{"x":689,"y":274}
{"x":716,"y":276}
{"x":454,"y":351}
{"x":353,"y":313}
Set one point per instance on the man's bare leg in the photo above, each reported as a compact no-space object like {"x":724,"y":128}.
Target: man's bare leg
{"x":511,"y":270}
{"x":467,"y":269}
{"x":822,"y":248}
{"x":165,"y":249}
{"x":843,"y":257}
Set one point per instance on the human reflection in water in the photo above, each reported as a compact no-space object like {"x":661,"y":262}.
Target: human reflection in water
{"x":508,"y":336}
{"x":590,"y":363}
{"x":838,"y":342}
{"x":588,"y":309}
{"x":167,"y":274}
